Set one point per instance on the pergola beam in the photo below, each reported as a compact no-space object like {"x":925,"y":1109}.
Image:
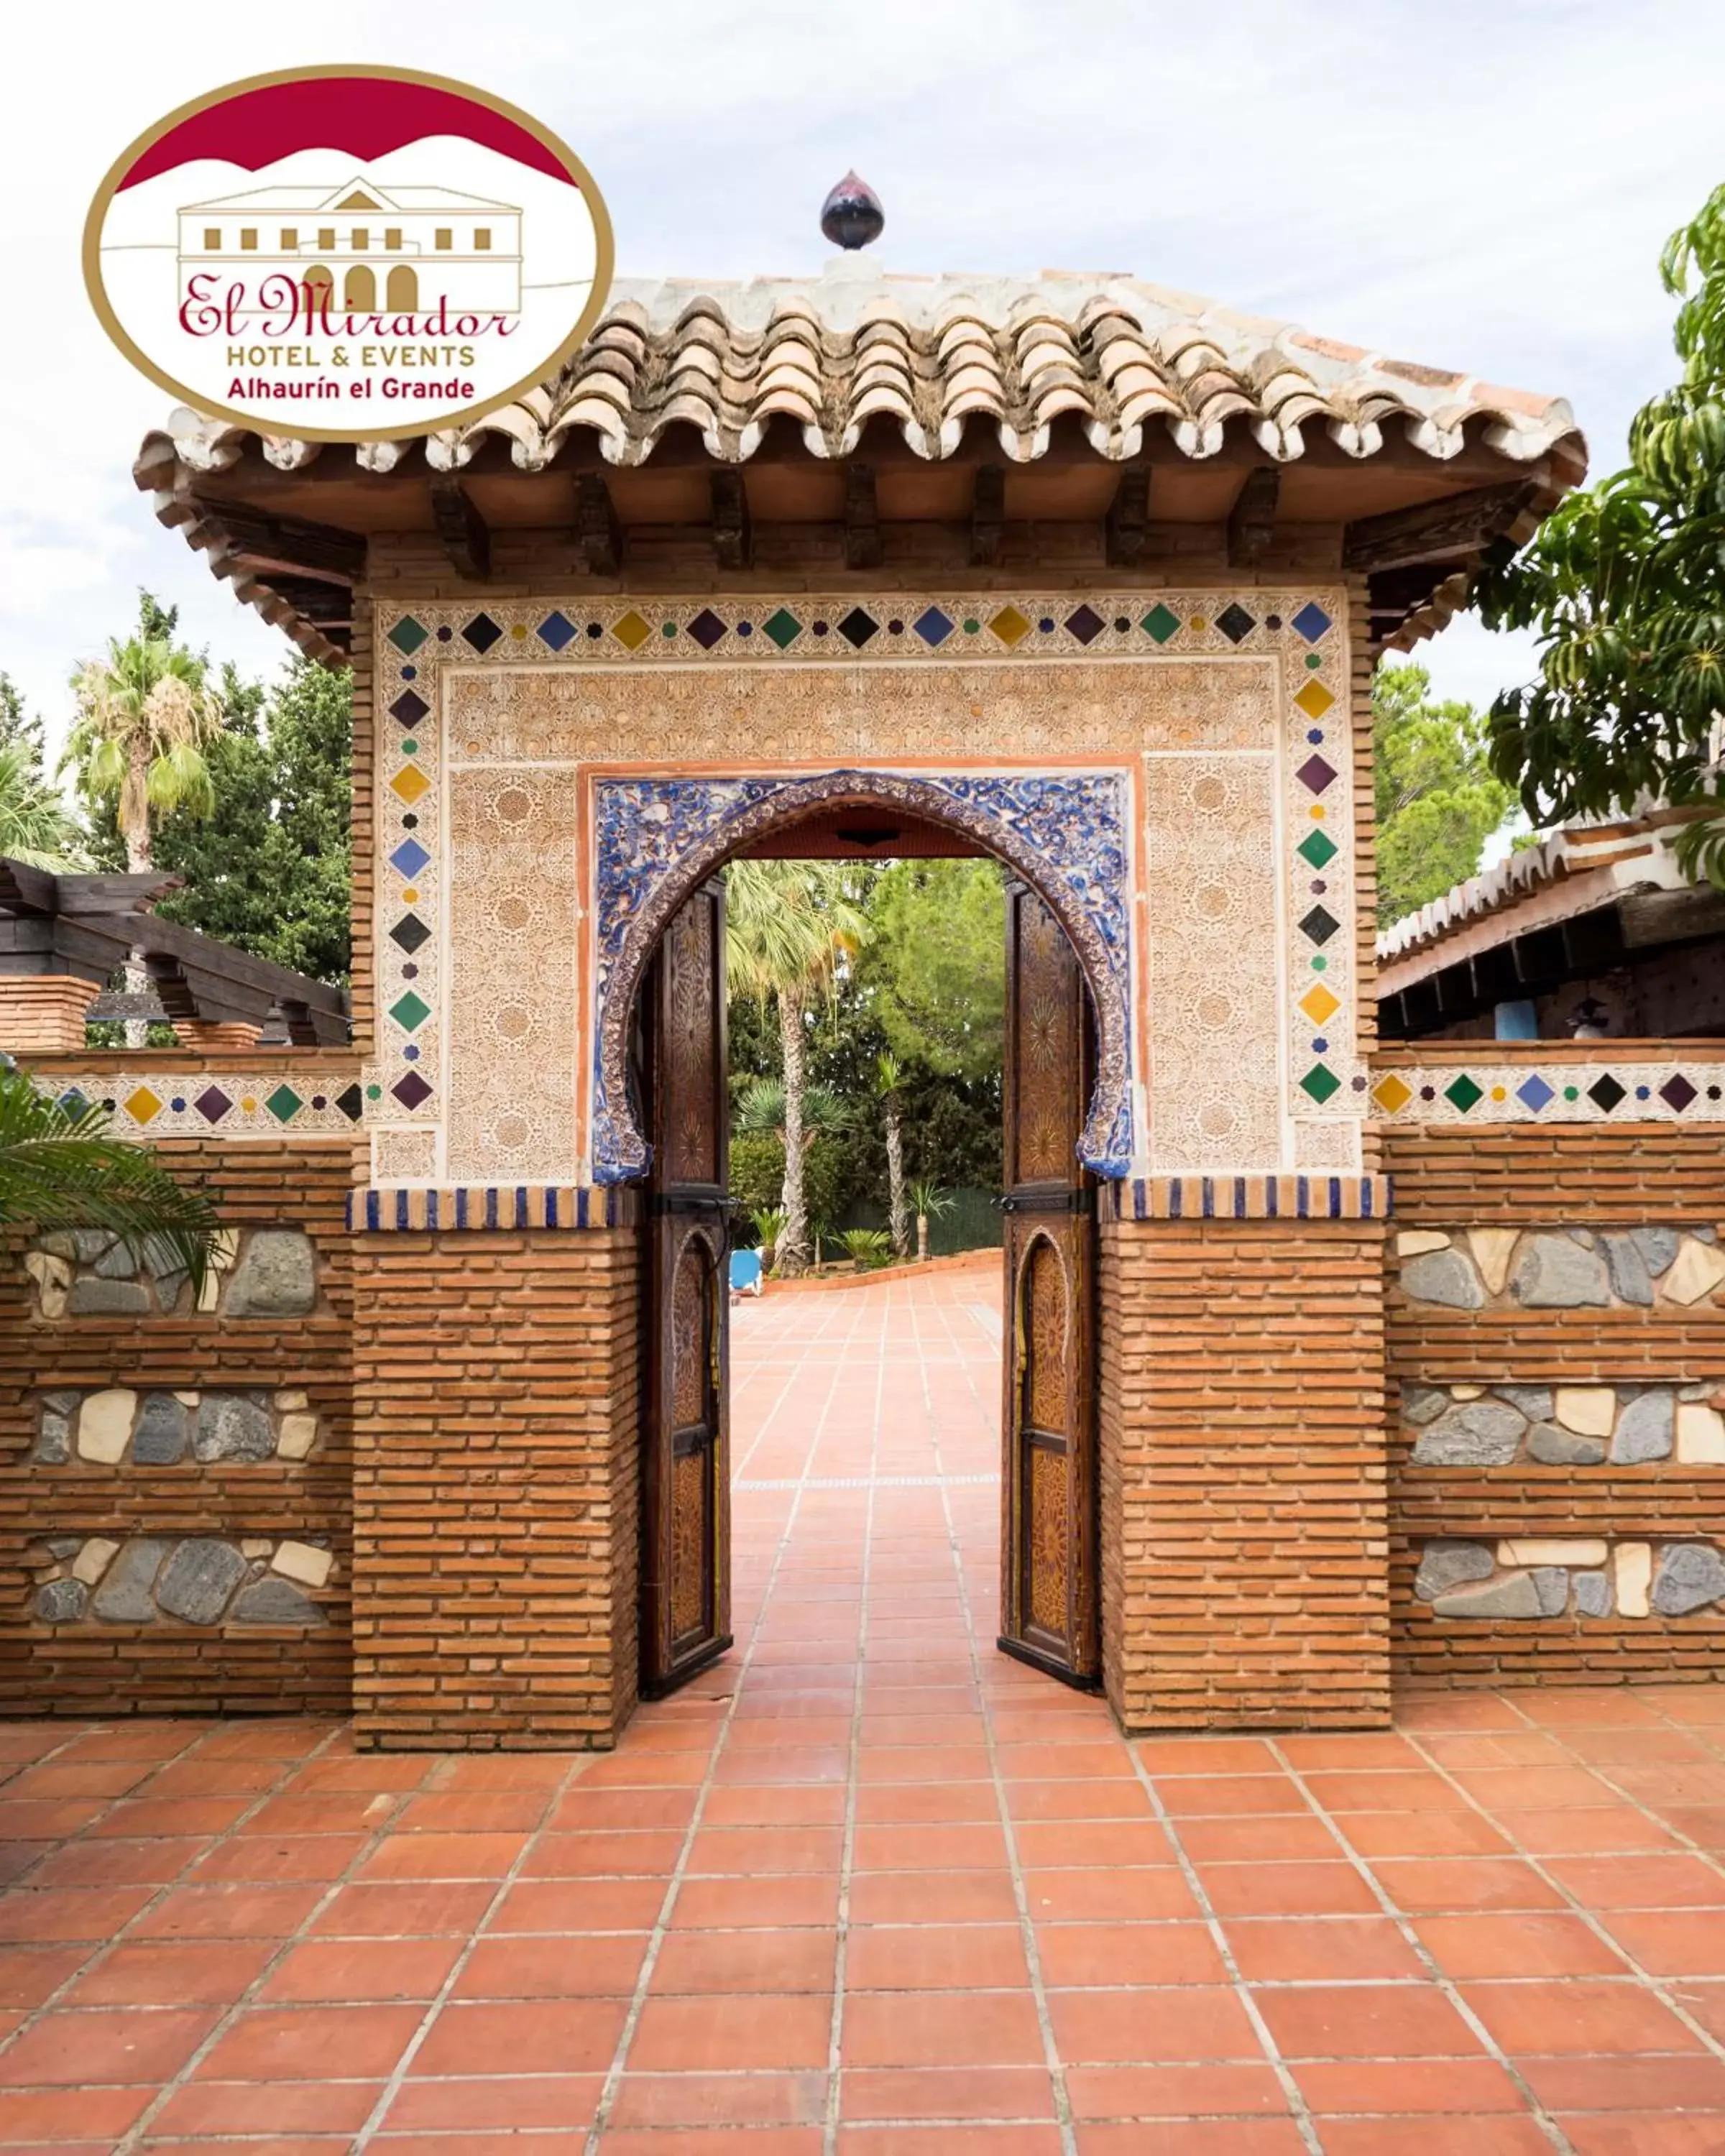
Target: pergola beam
{"x":465,"y":535}
{"x":988,"y":515}
{"x":1251,"y":522}
{"x":598,"y":536}
{"x":733,"y":528}
{"x":862,"y":518}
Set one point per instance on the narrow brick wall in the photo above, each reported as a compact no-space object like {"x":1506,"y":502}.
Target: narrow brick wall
{"x":1631,"y":1176}
{"x":1243,"y":1490}
{"x":159,"y":1669}
{"x":495,"y":1489}
{"x":42,"y":1014}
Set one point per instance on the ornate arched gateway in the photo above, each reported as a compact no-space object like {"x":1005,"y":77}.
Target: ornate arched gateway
{"x":1091,"y":573}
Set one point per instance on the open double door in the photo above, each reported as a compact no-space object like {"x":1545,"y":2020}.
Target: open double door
{"x":1050,"y":1615}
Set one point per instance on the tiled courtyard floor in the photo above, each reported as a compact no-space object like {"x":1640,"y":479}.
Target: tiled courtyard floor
{"x":872,"y":1888}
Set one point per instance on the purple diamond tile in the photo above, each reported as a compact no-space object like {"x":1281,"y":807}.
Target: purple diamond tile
{"x":1314,"y":773}
{"x":213,"y":1104}
{"x":707,"y":629}
{"x":410,"y":1091}
{"x":1676,"y":1092}
{"x":1085,"y":623}
{"x":409,"y":708}
{"x":1533,"y":1093}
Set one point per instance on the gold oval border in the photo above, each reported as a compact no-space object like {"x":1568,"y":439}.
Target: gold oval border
{"x":605,"y":263}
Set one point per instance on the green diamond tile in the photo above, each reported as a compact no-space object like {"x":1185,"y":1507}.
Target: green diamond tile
{"x":1161,"y":622}
{"x":407,"y":634}
{"x":783,"y":628}
{"x":1320,"y":1081}
{"x":1464,"y":1093}
{"x":410,"y":1011}
{"x":284,"y":1104}
{"x":1317,"y":849}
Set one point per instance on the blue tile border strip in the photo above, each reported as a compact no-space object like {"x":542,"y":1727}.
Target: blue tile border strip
{"x":490,"y":1208}
{"x":1225,"y":1198}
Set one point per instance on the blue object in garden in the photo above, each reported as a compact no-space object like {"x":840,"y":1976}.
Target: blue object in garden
{"x":745,"y":1272}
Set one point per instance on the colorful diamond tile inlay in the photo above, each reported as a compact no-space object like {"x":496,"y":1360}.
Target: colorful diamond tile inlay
{"x":410,"y":1011}
{"x":1311,"y":621}
{"x":1314,"y":699}
{"x":783,"y":628}
{"x":631,"y":632}
{"x":1321,"y":1082}
{"x":1316,"y":849}
{"x":283,"y":1103}
{"x":1234,"y":622}
{"x":1392,"y":1094}
{"x":1010,"y":626}
{"x":1534,"y":1093}
{"x":408,"y":635}
{"x":1319,"y":1006}
{"x":1160,"y":623}
{"x":410,"y":784}
{"x":409,"y":858}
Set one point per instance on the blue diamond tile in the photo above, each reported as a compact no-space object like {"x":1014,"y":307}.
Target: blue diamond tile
{"x":1311,"y":621}
{"x":409,"y":858}
{"x":1533,"y":1093}
{"x":555,"y":630}
{"x":933,"y":626}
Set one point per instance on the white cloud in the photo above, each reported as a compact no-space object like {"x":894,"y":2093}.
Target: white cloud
{"x":1486,"y":186}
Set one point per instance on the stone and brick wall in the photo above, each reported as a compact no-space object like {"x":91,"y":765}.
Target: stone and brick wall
{"x":496,"y":1496}
{"x":1555,"y":1304}
{"x":1242,"y":1491}
{"x":174,"y":1481}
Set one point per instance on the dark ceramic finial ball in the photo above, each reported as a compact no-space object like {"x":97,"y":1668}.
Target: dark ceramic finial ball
{"x":851,"y":216}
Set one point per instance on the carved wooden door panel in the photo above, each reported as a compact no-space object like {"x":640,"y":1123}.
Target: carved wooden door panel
{"x":1050,"y":1612}
{"x":686,"y":1570}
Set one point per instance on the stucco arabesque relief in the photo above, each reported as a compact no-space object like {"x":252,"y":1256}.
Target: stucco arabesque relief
{"x":1209,"y":738}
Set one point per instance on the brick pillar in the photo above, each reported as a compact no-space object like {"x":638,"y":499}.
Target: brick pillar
{"x":495,"y":1489}
{"x":210,"y":1037}
{"x":1244,"y":1541}
{"x":42,"y":1014}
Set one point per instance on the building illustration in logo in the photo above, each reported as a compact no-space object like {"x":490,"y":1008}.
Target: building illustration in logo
{"x":360,"y":249}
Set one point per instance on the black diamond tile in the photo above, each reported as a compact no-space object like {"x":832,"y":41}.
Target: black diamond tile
{"x":410,"y":931}
{"x":482,"y":631}
{"x":409,"y":708}
{"x":1085,"y":623}
{"x":1320,"y":924}
{"x":858,"y":627}
{"x":351,"y":1102}
{"x":707,"y":629}
{"x":1676,"y":1092}
{"x":1605,"y":1093}
{"x":1234,"y":622}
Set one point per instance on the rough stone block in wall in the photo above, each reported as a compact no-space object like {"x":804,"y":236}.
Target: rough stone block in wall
{"x":1566,"y":1268}
{"x":495,"y":1489}
{"x":124,"y":1425}
{"x":1242,"y":1474}
{"x":200,"y":1580}
{"x":256,"y":1273}
{"x":1571,"y":1426}
{"x":1570,"y":1576}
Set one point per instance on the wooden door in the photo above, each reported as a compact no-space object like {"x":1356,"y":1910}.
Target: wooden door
{"x":1050,"y":1614}
{"x":686,"y":1568}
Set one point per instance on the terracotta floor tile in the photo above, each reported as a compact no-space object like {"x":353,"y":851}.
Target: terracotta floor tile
{"x":228,"y":1912}
{"x":732,"y":2031}
{"x":1401,"y":2086}
{"x":473,"y":1811}
{"x":935,"y":1957}
{"x":933,"y":1897}
{"x":573,"y":1904}
{"x":410,"y":1909}
{"x":330,"y":2043}
{"x":717,"y":2141}
{"x":87,"y":2049}
{"x":151,"y":1863}
{"x":748,"y":1851}
{"x":1194,"y":2137}
{"x":1280,"y":1837}
{"x":1438,"y":1885}
{"x":172,"y":1973}
{"x":793,"y":1805}
{"x":343,"y":1969}
{"x":337,"y":1811}
{"x":30,"y":1975}
{"x":800,"y":1959}
{"x":1578,"y":2016}
{"x":1089,"y":1955}
{"x":64,"y":2115}
{"x":444,"y":1856}
{"x":1587,"y":1830}
{"x":929,"y":2092}
{"x":960,"y":2140}
{"x":1372,"y":1835}
{"x":1300,"y":1949}
{"x":1622,"y":2081}
{"x":1365,"y":2022}
{"x":1178,"y":1756}
{"x":271,"y":1860}
{"x":1199,"y":2023}
{"x":540,"y":2036}
{"x":1154,"y":1890}
{"x":1287,"y":1890}
{"x":68,"y":1912}
{"x":727,"y":1904}
{"x":1496,"y":2134}
{"x":517,"y":1968}
{"x":940,"y":1804}
{"x":1205,"y":2093}
{"x":583,"y":1810}
{"x":1677,"y":1881}
{"x":1207,"y":1796}
{"x":1535,"y":1943}
{"x":1064,"y":1845}
{"x":664,"y":2101}
{"x":1644,"y":2134}
{"x":941,"y":2029}
{"x":1671,"y":1942}
{"x":925,"y":1848}
{"x":524,"y":2103}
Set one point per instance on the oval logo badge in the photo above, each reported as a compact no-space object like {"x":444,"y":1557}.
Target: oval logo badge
{"x":348,"y":253}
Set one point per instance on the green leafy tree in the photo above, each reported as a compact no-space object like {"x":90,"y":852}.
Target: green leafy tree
{"x":1438,"y":801}
{"x":787,"y":925}
{"x":60,"y":1168}
{"x":935,"y":963}
{"x":1624,"y":586}
{"x":36,"y":825}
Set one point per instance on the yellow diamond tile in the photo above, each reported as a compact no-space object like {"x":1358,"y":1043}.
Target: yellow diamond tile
{"x":1392,"y":1094}
{"x":1314,"y":700}
{"x":410,"y":784}
{"x":1010,"y":625}
{"x":1319,"y":1005}
{"x":142,"y":1104}
{"x":631,"y":632}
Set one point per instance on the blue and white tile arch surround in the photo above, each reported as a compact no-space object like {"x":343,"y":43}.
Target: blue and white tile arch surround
{"x":451,"y":682}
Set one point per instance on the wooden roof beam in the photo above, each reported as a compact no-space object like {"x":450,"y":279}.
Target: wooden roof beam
{"x":988,"y":515}
{"x":466,"y":537}
{"x":1434,"y":530}
{"x":862,"y":518}
{"x":322,"y":551}
{"x":1251,"y":522}
{"x":598,"y":536}
{"x":733,"y":528}
{"x":1128,"y":515}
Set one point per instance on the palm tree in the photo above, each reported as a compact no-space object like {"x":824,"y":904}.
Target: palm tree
{"x":786,"y":925}
{"x":890,"y":1085}
{"x":928,"y":1201}
{"x":60,"y":1168}
{"x":145,"y":714}
{"x":35,"y":827}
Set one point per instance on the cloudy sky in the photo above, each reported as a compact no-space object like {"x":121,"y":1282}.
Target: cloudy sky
{"x":1484,"y":184}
